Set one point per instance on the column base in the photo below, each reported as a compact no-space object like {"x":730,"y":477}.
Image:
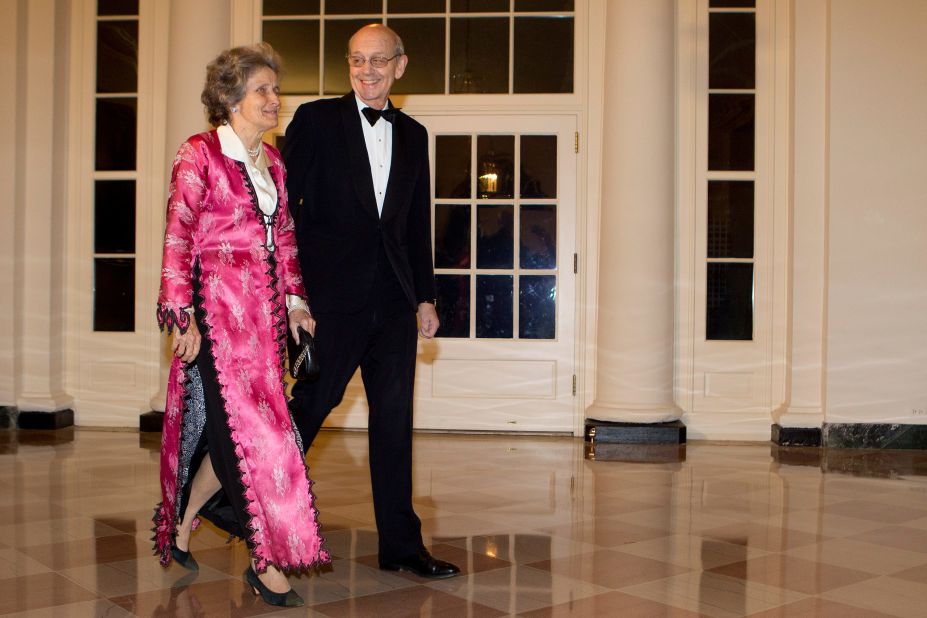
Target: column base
{"x":875,"y":435}
{"x":151,"y":422}
{"x":40,"y":419}
{"x":8,"y":417}
{"x":635,"y":433}
{"x":630,"y":413}
{"x":795,"y":436}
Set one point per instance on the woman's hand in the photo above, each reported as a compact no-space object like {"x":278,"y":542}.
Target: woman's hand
{"x":301,"y":317}
{"x":186,"y":346}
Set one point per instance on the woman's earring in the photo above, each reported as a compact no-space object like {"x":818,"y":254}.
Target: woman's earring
{"x":235,"y":109}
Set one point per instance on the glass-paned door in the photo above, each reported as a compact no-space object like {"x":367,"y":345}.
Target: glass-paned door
{"x":504,"y":222}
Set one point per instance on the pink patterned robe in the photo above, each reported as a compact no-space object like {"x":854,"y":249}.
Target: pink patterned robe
{"x":213,"y":218}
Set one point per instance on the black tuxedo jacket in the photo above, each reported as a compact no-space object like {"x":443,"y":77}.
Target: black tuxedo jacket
{"x":331,"y":196}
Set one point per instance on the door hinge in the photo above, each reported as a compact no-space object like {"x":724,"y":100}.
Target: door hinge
{"x":575,"y":263}
{"x":576,"y":142}
{"x":574,"y":384}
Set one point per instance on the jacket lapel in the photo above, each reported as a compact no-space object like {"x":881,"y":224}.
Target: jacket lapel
{"x":357,"y":155}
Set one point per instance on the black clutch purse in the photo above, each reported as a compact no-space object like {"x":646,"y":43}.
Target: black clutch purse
{"x":304,"y":365}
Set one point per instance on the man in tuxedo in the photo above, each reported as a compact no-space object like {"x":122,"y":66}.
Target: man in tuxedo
{"x":359,"y":187}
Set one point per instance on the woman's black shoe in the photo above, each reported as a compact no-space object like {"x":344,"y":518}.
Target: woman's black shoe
{"x":184,"y":559}
{"x":280,"y":599}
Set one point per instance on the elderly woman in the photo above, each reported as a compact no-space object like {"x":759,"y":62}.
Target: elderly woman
{"x":229,"y":450}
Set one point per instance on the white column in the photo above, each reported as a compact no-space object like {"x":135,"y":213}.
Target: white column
{"x":634,"y":365}
{"x":198,"y":32}
{"x":40,"y":200}
{"x":9,"y":37}
{"x":805,"y":404}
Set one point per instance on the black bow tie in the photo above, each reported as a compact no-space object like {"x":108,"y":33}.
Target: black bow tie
{"x":372,"y":115}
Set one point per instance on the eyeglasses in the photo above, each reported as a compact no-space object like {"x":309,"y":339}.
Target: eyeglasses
{"x":377,"y":62}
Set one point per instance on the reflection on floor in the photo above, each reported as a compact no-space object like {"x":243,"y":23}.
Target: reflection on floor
{"x":538,"y":529}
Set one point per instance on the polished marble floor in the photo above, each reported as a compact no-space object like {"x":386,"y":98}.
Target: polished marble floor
{"x":538,"y":528}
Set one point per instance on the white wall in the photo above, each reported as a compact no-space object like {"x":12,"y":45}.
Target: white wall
{"x":877,"y":287}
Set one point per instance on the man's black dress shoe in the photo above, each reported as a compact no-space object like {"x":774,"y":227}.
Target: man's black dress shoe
{"x":423,"y":564}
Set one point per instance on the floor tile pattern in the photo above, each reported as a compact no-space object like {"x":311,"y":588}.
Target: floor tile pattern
{"x":538,"y":529}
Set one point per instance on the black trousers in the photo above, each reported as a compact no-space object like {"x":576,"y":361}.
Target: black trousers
{"x":382,"y":342}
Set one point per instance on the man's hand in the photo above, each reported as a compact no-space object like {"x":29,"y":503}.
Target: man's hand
{"x":300,"y":317}
{"x":428,"y":319}
{"x":186,"y":346}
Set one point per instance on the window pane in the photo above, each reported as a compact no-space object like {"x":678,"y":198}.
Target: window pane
{"x":452,"y":236}
{"x":479,"y":52}
{"x":729,"y":307}
{"x":353,"y":7}
{"x":453,"y":305}
{"x":291,"y":7}
{"x":337,"y":34}
{"x":712,"y":4}
{"x":298,"y":43}
{"x":424,"y":43}
{"x":731,"y":119}
{"x":538,"y":237}
{"x":114,"y":294}
{"x":730,"y":219}
{"x":479,"y":6}
{"x":114,"y":216}
{"x":494,"y":306}
{"x":416,"y":6}
{"x":543,"y":5}
{"x":731,"y":50}
{"x":115,"y":134}
{"x":543,"y":54}
{"x":539,"y":166}
{"x":495,"y":242}
{"x":117,"y":7}
{"x":495,"y":155}
{"x":452,"y":166}
{"x":117,"y":56}
{"x":537,"y":307}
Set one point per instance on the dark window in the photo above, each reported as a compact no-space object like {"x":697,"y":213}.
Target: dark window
{"x":117,"y":56}
{"x":452,"y":166}
{"x":543,"y":54}
{"x":117,"y":7}
{"x":479,"y":47}
{"x":452,"y":236}
{"x":543,"y":5}
{"x":729,"y":306}
{"x":479,"y":6}
{"x":291,"y":7}
{"x":494,"y":306}
{"x":539,"y":166}
{"x":730,"y":219}
{"x":453,"y":305}
{"x":417,"y":6}
{"x":731,"y":129}
{"x":537,"y":307}
{"x":424,"y":43}
{"x":538,"y":236}
{"x":495,"y":236}
{"x":114,"y":216}
{"x":495,"y":158}
{"x":115,"y":134}
{"x":298,"y":43}
{"x":114,"y":294}
{"x":353,"y":7}
{"x":732,"y":50}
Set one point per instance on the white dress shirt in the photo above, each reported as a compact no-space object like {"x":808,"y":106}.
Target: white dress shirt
{"x":264,"y":188}
{"x":379,"y":140}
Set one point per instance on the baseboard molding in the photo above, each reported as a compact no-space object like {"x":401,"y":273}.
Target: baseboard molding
{"x":795,"y":436}
{"x":34,"y":419}
{"x":875,"y":435}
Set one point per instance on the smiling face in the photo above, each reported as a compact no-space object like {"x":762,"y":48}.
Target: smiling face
{"x":370,"y":84}
{"x":257,"y":111}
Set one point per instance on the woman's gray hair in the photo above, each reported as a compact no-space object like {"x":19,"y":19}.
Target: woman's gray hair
{"x":227,"y":75}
